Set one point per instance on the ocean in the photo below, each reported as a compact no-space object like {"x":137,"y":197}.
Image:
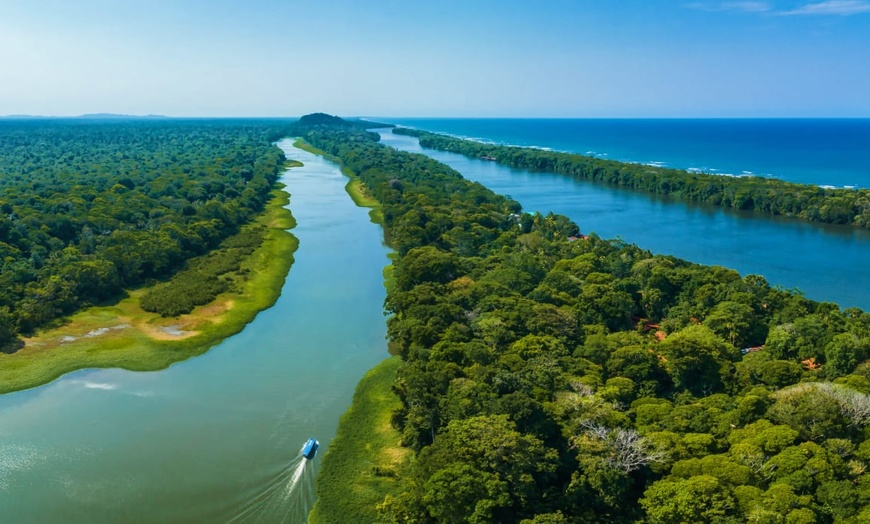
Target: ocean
{"x":825,"y":152}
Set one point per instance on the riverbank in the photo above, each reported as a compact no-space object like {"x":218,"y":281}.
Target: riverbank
{"x":364,"y":461}
{"x":125,"y":336}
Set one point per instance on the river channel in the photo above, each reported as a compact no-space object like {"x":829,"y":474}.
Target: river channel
{"x":215,"y":438}
{"x":826,"y":263}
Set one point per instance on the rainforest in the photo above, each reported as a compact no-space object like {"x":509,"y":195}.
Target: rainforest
{"x":92,"y":208}
{"x":765,"y":195}
{"x":549,"y":376}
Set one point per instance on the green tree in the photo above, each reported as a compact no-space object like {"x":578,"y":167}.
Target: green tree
{"x":492,"y":444}
{"x":735,"y":322}
{"x":813,"y":415}
{"x":701,"y":499}
{"x":843,"y":353}
{"x":461,"y":493}
{"x":839,"y":499}
{"x":696,"y":359}
{"x":7,"y":327}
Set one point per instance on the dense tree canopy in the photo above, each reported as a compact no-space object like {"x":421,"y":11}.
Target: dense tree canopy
{"x":553,"y":378}
{"x":88,"y":208}
{"x":767,"y":195}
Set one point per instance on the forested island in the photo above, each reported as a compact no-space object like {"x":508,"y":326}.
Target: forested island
{"x":550,"y":376}
{"x":134,"y":216}
{"x":765,"y":195}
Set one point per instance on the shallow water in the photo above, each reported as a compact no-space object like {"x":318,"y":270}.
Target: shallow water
{"x":215,"y":438}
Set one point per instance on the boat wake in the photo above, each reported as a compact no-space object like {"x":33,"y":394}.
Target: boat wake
{"x":288,"y":497}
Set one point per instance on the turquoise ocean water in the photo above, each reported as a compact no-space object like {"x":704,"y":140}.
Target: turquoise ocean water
{"x":833,"y":152}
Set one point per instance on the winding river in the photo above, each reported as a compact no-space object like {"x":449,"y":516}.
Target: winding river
{"x":215,"y":438}
{"x":826,"y":263}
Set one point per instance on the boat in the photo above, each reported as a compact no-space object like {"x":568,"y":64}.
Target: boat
{"x":310,"y":448}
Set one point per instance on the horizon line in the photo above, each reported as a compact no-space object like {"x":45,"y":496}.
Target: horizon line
{"x":119,"y":116}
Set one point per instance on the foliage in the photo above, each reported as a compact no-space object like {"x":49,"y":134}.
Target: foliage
{"x":121,"y":335}
{"x":767,"y":195}
{"x":88,"y":208}
{"x":204,"y":279}
{"x":546,"y":378}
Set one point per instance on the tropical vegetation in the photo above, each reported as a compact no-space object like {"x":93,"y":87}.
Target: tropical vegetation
{"x":550,"y":376}
{"x":89,"y":209}
{"x":765,"y":195}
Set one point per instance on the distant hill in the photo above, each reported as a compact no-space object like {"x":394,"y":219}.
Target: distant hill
{"x":93,"y":116}
{"x":322,"y":119}
{"x":315,"y":120}
{"x":21,"y":117}
{"x":115,"y":115}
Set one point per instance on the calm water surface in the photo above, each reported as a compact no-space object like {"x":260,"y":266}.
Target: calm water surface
{"x":827,"y":263}
{"x":215,"y":438}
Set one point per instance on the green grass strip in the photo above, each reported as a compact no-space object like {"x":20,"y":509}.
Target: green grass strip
{"x":364,"y":461}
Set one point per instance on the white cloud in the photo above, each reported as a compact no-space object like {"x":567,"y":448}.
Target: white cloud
{"x":745,"y":6}
{"x":750,"y":7}
{"x":826,"y":7}
{"x":832,"y":7}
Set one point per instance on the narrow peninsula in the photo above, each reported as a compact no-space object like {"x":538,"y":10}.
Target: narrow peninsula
{"x":751,"y":193}
{"x":549,"y":376}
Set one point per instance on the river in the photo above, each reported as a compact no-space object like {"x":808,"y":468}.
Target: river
{"x":215,"y":438}
{"x":826,"y":263}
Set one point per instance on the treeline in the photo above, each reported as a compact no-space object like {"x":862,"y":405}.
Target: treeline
{"x":88,"y":208}
{"x":766,"y":195}
{"x":549,"y":377}
{"x":205,"y":276}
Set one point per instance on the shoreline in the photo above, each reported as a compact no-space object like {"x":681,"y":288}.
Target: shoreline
{"x":122,"y":335}
{"x":769,"y":197}
{"x":363,"y":462}
{"x":701,"y":163}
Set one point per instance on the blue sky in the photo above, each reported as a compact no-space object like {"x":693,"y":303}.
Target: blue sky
{"x":488,"y":58}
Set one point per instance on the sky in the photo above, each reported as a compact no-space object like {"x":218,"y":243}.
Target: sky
{"x":438,"y":58}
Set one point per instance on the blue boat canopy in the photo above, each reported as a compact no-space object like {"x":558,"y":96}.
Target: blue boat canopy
{"x":310,"y":448}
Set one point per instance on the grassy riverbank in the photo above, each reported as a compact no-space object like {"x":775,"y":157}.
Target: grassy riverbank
{"x":123,"y":335}
{"x":364,"y":460}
